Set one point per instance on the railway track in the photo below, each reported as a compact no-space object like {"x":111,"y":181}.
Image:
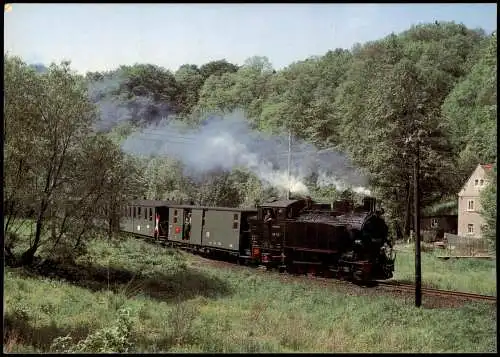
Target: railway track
{"x":437,"y":292}
{"x":404,"y":287}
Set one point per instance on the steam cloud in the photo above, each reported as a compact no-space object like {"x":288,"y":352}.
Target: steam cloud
{"x":228,"y":142}
{"x":220,"y":143}
{"x":115,"y":109}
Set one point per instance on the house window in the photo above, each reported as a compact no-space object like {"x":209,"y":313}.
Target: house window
{"x":481,"y":182}
{"x":470,"y":205}
{"x":476,"y":182}
{"x":470,"y":228}
{"x":434,"y":223}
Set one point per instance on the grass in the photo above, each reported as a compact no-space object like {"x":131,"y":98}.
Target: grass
{"x":467,"y":275}
{"x":152,"y":299}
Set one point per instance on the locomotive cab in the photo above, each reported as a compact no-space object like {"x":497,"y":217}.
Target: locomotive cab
{"x":280,"y":210}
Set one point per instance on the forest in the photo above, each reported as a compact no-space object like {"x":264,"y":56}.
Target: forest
{"x":431,"y":89}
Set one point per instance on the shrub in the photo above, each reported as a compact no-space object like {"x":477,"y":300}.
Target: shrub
{"x":107,"y":340}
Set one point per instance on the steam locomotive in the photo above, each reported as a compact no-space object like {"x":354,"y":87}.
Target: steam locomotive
{"x":298,"y":235}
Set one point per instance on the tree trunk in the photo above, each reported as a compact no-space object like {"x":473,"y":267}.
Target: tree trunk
{"x":28,"y":255}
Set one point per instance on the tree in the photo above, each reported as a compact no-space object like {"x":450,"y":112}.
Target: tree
{"x":244,"y":90}
{"x":139,"y":95}
{"x":292,"y":93}
{"x":217,"y":189}
{"x":189,"y":80}
{"x":119,"y":180}
{"x":55,"y":164}
{"x":489,"y":207}
{"x":217,"y":68}
{"x":301,"y":97}
{"x":216,"y":96}
{"x":391,"y":99}
{"x":147,"y":80}
{"x":470,"y":111}
{"x":163,"y":179}
{"x":46,"y":117}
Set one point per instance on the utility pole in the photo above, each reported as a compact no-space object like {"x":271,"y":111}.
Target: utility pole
{"x":416,"y":185}
{"x":289,"y":163}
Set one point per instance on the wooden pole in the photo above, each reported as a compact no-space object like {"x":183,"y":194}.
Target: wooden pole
{"x":418,"y":271}
{"x":289,"y":163}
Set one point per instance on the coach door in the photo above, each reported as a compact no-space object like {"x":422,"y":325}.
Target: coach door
{"x":161,"y":221}
{"x":196,"y":226}
{"x":176,"y":222}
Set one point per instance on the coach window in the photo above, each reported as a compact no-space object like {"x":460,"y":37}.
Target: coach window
{"x":235,"y":221}
{"x":138,"y":212}
{"x":175,"y":216}
{"x":151,"y":214}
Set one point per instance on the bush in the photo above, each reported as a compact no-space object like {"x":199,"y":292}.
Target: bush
{"x":107,"y":340}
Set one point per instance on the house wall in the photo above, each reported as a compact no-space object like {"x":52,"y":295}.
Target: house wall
{"x":467,"y":214}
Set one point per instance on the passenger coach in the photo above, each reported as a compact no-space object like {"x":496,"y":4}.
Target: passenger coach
{"x":203,"y":229}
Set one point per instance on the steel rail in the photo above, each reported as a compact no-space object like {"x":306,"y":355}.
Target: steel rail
{"x":434,"y":291}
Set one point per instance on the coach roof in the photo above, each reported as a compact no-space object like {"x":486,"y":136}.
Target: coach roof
{"x":280,"y":203}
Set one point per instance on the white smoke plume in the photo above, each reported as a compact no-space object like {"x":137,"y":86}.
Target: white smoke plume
{"x":228,"y":142}
{"x":219,"y":142}
{"x":115,"y":108}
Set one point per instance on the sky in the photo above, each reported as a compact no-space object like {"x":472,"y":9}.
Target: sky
{"x":96,"y":37}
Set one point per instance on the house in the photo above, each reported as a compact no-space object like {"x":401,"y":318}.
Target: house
{"x":469,"y":206}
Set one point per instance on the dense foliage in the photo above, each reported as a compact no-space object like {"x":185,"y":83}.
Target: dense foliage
{"x":431,"y":88}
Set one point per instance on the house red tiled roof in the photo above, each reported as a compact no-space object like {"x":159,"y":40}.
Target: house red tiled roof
{"x":487,"y":166}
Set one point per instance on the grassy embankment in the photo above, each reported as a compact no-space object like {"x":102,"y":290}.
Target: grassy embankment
{"x":467,"y":275}
{"x":151,"y":299}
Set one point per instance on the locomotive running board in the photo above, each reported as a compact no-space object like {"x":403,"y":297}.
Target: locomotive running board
{"x":310,"y":263}
{"x":312,"y":250}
